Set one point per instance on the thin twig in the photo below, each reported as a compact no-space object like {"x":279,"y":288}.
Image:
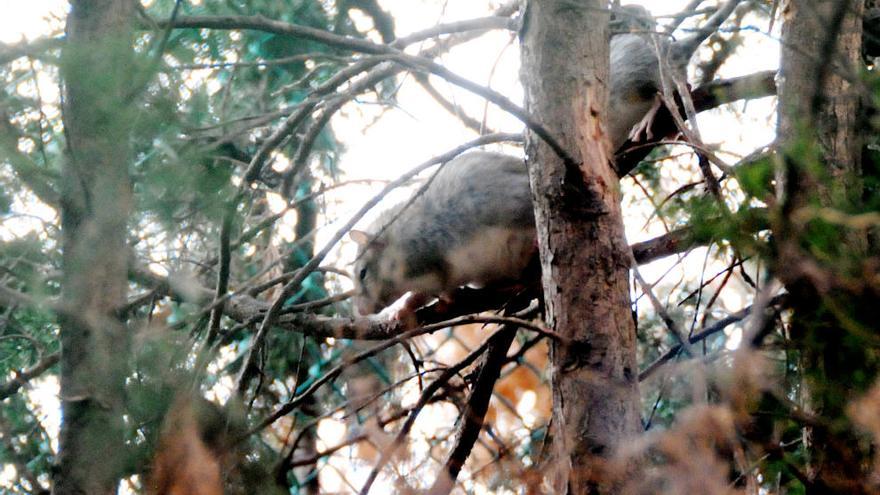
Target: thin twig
{"x":426,"y":396}
{"x":331,"y":374}
{"x":664,"y":315}
{"x":474,"y":412}
{"x":23,"y":377}
{"x":704,"y":334}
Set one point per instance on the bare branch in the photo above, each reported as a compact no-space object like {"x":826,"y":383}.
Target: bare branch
{"x":673,"y":328}
{"x":498,"y":99}
{"x":10,"y":52}
{"x":689,"y":10}
{"x":375,"y":75}
{"x":704,"y":334}
{"x":23,"y":377}
{"x":687,"y":46}
{"x":451,"y":107}
{"x":259,"y":23}
{"x":400,"y":336}
{"x":474,"y":412}
{"x":677,"y":241}
{"x":426,"y":396}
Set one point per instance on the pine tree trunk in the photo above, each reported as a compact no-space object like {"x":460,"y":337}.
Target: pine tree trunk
{"x":584,"y":260}
{"x":96,"y":200}
{"x":819,"y":135}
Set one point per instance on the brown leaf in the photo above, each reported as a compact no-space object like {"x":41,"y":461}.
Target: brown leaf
{"x":185,"y":464}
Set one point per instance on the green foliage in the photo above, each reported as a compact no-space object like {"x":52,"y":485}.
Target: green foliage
{"x":756,"y":177}
{"x":25,"y":440}
{"x":647,"y":171}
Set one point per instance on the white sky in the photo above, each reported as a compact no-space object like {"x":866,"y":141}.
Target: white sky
{"x":29,"y":19}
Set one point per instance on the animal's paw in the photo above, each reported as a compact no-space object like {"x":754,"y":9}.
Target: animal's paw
{"x":644,"y":125}
{"x":404,"y":310}
{"x":406,"y":317}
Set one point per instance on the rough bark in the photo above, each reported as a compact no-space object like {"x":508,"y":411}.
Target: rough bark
{"x":96,"y":200}
{"x":820,"y":56}
{"x":819,"y":134}
{"x":584,"y":256}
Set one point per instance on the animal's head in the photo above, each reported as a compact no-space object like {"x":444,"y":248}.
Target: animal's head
{"x":631,"y":18}
{"x":378,"y":273}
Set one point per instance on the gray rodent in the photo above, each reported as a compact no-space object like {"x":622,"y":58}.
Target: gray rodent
{"x":474,"y":224}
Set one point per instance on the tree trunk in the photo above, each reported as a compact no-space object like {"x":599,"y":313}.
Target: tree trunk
{"x":584,"y":257}
{"x":819,"y":135}
{"x":96,"y":201}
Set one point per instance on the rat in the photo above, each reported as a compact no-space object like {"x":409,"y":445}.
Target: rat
{"x":472,"y":224}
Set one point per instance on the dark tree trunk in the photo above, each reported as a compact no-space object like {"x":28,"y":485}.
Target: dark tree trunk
{"x":584,"y":257}
{"x":96,"y":201}
{"x":819,"y":134}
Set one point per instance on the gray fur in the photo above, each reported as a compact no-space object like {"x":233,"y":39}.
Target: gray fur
{"x":476,"y":190}
{"x":635,"y":66}
{"x":413,"y":243}
{"x":635,"y":82}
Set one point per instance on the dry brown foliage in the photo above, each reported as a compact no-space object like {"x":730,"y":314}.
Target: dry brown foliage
{"x":865,"y":413}
{"x":188,"y":461}
{"x":689,"y":458}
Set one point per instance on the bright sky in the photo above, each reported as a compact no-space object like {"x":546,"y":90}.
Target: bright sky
{"x":29,"y":19}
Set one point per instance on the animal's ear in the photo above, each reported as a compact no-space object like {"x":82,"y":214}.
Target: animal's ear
{"x":360,"y":237}
{"x":365,"y":240}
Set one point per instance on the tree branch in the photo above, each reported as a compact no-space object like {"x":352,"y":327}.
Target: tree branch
{"x":451,"y":107}
{"x":247,"y":310}
{"x":318,"y":96}
{"x":389,"y":342}
{"x":38,"y":179}
{"x":474,"y":412}
{"x":496,"y":98}
{"x":23,"y":377}
{"x":687,"y":46}
{"x":703,"y":335}
{"x":260,"y":23}
{"x":10,"y":52}
{"x":271,"y":316}
{"x":677,"y":241}
{"x":426,"y":396}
